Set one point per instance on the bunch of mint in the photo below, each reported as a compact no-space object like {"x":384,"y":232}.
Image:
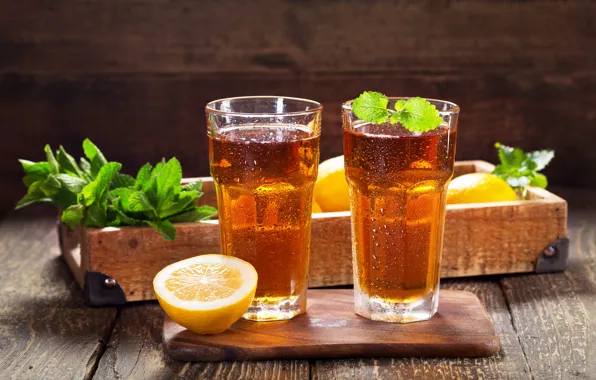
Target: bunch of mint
{"x":94,"y":192}
{"x":521,"y":169}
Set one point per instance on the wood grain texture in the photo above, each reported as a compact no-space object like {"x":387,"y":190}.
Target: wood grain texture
{"x":135,"y":352}
{"x":46,"y":332}
{"x":185,"y":36}
{"x":555,"y":314}
{"x":509,"y":363}
{"x":331,"y":329}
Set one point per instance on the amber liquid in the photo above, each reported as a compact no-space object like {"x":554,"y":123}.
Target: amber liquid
{"x":398,"y":186}
{"x":264,"y":177}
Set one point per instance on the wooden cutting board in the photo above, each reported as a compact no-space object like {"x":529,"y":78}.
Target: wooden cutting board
{"x":331,"y":329}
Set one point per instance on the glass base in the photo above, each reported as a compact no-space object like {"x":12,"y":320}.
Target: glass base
{"x":379,"y":309}
{"x":275,"y":308}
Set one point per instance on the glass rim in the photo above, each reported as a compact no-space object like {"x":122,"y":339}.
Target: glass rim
{"x":209,"y":107}
{"x":454,"y":111}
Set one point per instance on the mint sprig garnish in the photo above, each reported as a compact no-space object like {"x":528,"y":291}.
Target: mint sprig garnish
{"x":94,"y":192}
{"x":521,"y":169}
{"x":414,"y":114}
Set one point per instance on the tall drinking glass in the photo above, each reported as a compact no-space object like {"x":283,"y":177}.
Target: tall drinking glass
{"x":398,"y":182}
{"x":264,"y":155}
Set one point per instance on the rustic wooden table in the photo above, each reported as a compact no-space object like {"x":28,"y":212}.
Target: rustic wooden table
{"x":547,"y":323}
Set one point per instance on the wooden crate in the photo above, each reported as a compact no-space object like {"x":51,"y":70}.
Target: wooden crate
{"x":116,"y":265}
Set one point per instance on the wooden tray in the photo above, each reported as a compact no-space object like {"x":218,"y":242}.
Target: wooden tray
{"x":331,"y":329}
{"x":117,"y":265}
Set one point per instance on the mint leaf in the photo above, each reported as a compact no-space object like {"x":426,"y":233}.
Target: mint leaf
{"x":95,"y":216}
{"x":186,"y":198}
{"x":539,"y":180}
{"x":85,"y":166}
{"x":96,"y":158}
{"x":71,"y":183}
{"x":400,"y":105}
{"x":418,"y":115}
{"x":168,"y":180}
{"x":414,"y":114}
{"x":72,"y":215}
{"x":541,"y":157}
{"x":371,"y":107}
{"x":138,"y":202}
{"x":98,"y":188}
{"x":165,"y":227}
{"x":122,"y":180}
{"x":196,"y":185}
{"x":38,"y":169}
{"x":35,"y":171}
{"x":67,"y":163}
{"x":51,"y":185}
{"x":30,"y":199}
{"x":54,"y":166}
{"x":143,"y":177}
{"x":195,"y":215}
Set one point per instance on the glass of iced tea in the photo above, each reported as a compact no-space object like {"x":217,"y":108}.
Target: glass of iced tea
{"x":264,"y":156}
{"x":398,"y":182}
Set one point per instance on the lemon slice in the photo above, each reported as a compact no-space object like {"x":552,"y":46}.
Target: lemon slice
{"x":206,"y":294}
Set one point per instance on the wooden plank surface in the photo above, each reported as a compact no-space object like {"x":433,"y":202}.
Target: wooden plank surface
{"x":555,"y":314}
{"x":509,"y":363}
{"x":171,"y":36}
{"x":46,"y":332}
{"x":135,"y":352}
{"x":331,"y":329}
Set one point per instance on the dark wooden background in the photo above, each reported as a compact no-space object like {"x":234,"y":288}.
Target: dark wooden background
{"x":134,"y":76}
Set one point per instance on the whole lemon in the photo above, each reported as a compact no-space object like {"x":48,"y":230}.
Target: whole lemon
{"x":479,"y":188}
{"x":331,"y":189}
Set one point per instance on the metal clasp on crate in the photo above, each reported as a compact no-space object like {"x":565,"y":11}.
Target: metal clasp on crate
{"x":102,"y":290}
{"x":554,"y":257}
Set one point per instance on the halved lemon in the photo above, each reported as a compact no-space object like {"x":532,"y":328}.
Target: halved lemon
{"x":208,"y":293}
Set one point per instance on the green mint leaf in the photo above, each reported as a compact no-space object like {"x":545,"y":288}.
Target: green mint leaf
{"x":97,"y":189}
{"x":122,"y":180}
{"x":85,"y":166}
{"x":72,"y":215}
{"x":138,"y":202}
{"x":30,"y":199}
{"x":35,"y":171}
{"x":143,"y":176}
{"x":39,"y":169}
{"x":186,"y":198}
{"x":168,"y":180}
{"x":67,"y":163}
{"x":542,"y":158}
{"x":165,"y":227}
{"x":96,"y":158}
{"x":196,"y":185}
{"x":195,"y":215}
{"x":510,"y":157}
{"x":395,"y":118}
{"x":371,"y":107}
{"x":418,"y":115}
{"x":71,"y":183}
{"x":51,"y":185}
{"x":54,"y":166}
{"x":95,"y":216}
{"x":539,"y":180}
{"x":400,"y":105}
